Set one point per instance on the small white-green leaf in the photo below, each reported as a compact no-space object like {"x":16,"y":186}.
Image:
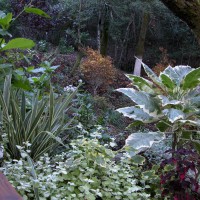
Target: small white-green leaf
{"x":5,"y":21}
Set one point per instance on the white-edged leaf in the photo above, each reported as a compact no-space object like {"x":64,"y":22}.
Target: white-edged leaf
{"x":192,"y":79}
{"x":191,"y":122}
{"x":166,"y":80}
{"x":135,"y":113}
{"x":140,"y":141}
{"x":176,"y":74}
{"x":152,"y":75}
{"x":165,"y":101}
{"x":143,"y":100}
{"x":174,"y":114}
{"x":38,"y":70}
{"x":141,"y":83}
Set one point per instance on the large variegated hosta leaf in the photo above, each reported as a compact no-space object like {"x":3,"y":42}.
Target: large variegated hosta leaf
{"x":174,"y":114}
{"x":141,"y":141}
{"x":143,"y":100}
{"x":136,"y":114}
{"x":176,"y":74}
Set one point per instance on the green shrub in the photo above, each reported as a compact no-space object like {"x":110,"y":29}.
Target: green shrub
{"x":40,"y":124}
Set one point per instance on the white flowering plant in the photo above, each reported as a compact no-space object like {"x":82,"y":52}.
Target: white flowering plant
{"x":88,"y":171}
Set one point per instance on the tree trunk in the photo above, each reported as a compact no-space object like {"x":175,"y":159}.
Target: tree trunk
{"x":99,"y":31}
{"x":140,"y":45}
{"x":79,"y":22}
{"x":124,"y":42}
{"x":105,"y":23}
{"x":188,"y":11}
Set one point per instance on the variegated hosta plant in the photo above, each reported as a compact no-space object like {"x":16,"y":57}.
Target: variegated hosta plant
{"x":172,"y":100}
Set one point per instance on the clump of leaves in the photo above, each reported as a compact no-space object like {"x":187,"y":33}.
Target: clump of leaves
{"x":87,"y":171}
{"x":98,"y":71}
{"x":180,"y":175}
{"x":39,"y":123}
{"x":171,"y":100}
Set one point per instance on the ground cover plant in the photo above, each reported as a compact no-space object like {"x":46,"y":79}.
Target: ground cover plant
{"x":87,"y":171}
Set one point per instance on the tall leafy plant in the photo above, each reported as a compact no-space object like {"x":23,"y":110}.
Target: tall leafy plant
{"x":7,"y":43}
{"x":40,"y":125}
{"x":171,"y":100}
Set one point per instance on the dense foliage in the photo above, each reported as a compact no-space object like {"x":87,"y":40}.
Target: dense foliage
{"x":62,"y":134}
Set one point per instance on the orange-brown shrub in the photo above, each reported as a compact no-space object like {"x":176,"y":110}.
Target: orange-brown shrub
{"x":98,"y":71}
{"x":165,"y":61}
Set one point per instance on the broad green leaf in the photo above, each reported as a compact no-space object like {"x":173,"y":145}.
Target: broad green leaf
{"x":162,"y":126}
{"x":5,"y":21}
{"x":197,"y":145}
{"x":29,"y":69}
{"x":192,"y":79}
{"x":143,"y":100}
{"x":20,"y":43}
{"x":36,"y":11}
{"x":187,"y":135}
{"x":165,"y":101}
{"x":23,"y":84}
{"x":174,"y":114}
{"x":141,"y":83}
{"x":167,"y":81}
{"x":135,"y":113}
{"x":140,"y":141}
{"x":138,"y":160}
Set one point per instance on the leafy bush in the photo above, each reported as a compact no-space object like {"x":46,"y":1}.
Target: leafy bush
{"x":180,"y":175}
{"x":87,"y":171}
{"x":42,"y":46}
{"x":171,"y":100}
{"x":39,"y":123}
{"x":98,"y":71}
